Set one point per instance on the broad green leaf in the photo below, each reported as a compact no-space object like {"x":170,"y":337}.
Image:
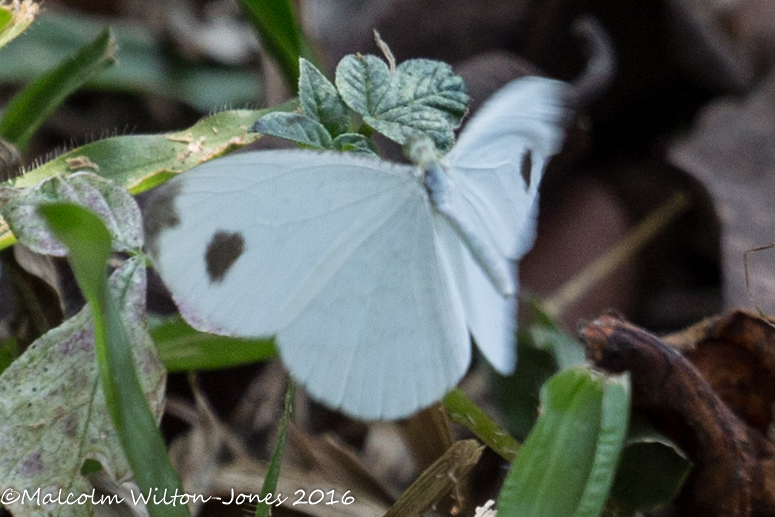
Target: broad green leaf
{"x":294,"y":127}
{"x":567,"y":464}
{"x":88,"y":242}
{"x":145,"y":64}
{"x":462,"y":410}
{"x":34,"y":104}
{"x":184,"y":349}
{"x":15,"y":18}
{"x":115,"y":206}
{"x":53,"y":415}
{"x":651,"y":471}
{"x":356,"y":143}
{"x":280,"y":33}
{"x":273,"y":472}
{"x":420,"y":95}
{"x":320,"y":101}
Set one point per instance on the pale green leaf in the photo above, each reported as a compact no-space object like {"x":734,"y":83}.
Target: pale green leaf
{"x":115,"y":206}
{"x":53,"y":415}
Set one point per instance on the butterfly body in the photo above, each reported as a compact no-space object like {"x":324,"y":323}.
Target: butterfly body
{"x":369,"y":274}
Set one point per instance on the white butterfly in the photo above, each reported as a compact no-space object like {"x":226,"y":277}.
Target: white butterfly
{"x":370,"y":274}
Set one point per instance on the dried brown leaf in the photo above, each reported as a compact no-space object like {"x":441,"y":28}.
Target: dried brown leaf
{"x":732,"y":473}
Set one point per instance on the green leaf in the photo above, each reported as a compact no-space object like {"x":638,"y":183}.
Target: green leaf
{"x":356,"y":143}
{"x":184,"y":349}
{"x":567,"y":464}
{"x":362,"y":82}
{"x":280,"y":33}
{"x":294,"y":127}
{"x":56,"y":380}
{"x":89,"y":244}
{"x":651,"y":471}
{"x":320,"y":101}
{"x":15,"y":18}
{"x":273,"y":472}
{"x":462,"y":410}
{"x":34,"y":104}
{"x":421,"y":95}
{"x":115,"y":206}
{"x":145,"y":64}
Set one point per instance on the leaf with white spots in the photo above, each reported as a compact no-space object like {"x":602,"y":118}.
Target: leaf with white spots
{"x":115,"y":206}
{"x":52,"y":410}
{"x":420,"y":95}
{"x":320,"y":101}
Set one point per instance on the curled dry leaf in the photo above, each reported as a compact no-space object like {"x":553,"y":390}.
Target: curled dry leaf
{"x":733,"y":473}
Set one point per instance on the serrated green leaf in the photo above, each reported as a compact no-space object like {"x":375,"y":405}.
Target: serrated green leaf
{"x":56,"y":382}
{"x":275,"y":22}
{"x":114,"y":205}
{"x":15,"y":19}
{"x":362,"y":81}
{"x":184,"y":349}
{"x":356,"y":143}
{"x":273,"y":472}
{"x":294,"y":127}
{"x":34,"y":104}
{"x":566,"y":465}
{"x":421,"y":95}
{"x":320,"y":101}
{"x":88,"y":242}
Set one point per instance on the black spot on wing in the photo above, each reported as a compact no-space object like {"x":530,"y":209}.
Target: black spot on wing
{"x":222,"y":252}
{"x":159,"y":213}
{"x":526,"y":167}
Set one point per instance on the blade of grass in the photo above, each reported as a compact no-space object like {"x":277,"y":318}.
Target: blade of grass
{"x":33,"y":105}
{"x":462,"y":410}
{"x":273,"y":472}
{"x":89,"y":244}
{"x":276,"y":24}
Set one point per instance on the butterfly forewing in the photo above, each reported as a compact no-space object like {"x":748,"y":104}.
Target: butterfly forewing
{"x":333,"y":254}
